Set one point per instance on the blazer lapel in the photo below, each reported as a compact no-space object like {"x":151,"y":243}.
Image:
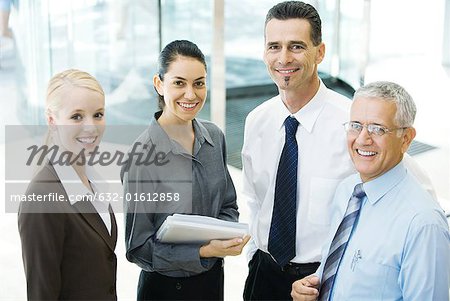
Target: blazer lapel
{"x":113,"y":227}
{"x":90,"y":215}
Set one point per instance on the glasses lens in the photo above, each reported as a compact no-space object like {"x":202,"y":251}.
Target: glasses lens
{"x":355,"y":127}
{"x":376,"y":129}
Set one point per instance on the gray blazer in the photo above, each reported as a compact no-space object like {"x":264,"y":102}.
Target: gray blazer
{"x":67,"y":254}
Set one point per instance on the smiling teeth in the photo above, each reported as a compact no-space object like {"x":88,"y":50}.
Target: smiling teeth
{"x":366,"y":153}
{"x":287,"y":71}
{"x":86,"y":140}
{"x":187,"y":105}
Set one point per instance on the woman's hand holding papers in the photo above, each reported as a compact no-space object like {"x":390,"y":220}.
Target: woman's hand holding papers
{"x":222,"y":248}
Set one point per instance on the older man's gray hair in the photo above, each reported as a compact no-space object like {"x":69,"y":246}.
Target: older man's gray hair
{"x":389,"y":91}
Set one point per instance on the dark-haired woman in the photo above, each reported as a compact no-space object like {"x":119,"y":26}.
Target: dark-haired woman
{"x":186,"y":173}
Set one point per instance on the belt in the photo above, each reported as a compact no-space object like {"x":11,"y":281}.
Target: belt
{"x":291,"y":268}
{"x":297,"y":268}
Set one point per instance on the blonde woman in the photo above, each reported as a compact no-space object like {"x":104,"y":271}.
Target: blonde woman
{"x":68,"y":246}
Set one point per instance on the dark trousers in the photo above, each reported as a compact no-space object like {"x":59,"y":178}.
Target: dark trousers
{"x":205,"y":286}
{"x":268,"y":281}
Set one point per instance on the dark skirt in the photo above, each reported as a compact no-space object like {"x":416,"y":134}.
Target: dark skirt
{"x":205,"y":286}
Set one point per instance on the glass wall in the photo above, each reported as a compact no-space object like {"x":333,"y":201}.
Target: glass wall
{"x":33,"y":59}
{"x":116,"y":41}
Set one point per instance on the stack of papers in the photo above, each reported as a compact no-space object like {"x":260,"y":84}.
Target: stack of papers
{"x":181,"y":228}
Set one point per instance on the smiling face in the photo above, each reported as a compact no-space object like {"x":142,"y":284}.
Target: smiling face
{"x":183,"y":89}
{"x":79,"y":123}
{"x":374,"y":155}
{"x":290,"y":55}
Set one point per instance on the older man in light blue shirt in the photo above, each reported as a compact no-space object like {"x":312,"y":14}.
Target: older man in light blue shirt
{"x":391,"y":240}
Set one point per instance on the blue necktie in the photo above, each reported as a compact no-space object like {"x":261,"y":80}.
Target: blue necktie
{"x":340,"y":241}
{"x":283,"y":227}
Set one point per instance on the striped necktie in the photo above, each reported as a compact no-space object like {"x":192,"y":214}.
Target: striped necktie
{"x":283,"y":226}
{"x":340,"y":241}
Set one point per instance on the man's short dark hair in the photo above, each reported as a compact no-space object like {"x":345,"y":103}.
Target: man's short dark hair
{"x":298,"y":10}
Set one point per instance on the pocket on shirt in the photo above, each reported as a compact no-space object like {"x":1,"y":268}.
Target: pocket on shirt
{"x":321,"y":193}
{"x":380,"y":279}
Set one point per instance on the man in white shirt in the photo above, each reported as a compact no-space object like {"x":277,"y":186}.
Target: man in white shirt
{"x":293,"y":50}
{"x":288,"y":231}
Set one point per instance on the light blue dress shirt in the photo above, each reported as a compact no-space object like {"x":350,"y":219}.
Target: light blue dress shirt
{"x":400,"y":247}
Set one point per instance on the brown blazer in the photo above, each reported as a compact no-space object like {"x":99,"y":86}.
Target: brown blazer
{"x":67,"y":254}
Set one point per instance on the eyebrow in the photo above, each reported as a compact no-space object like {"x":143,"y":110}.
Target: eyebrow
{"x":82,"y":111}
{"x":182,"y":78}
{"x":289,"y":42}
{"x":298,"y":42}
{"x":374,"y":123}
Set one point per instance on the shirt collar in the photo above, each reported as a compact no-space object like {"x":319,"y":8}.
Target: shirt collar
{"x":166,"y":144}
{"x":377,"y":188}
{"x":306,"y":116}
{"x":72,"y":183}
{"x":202,"y":133}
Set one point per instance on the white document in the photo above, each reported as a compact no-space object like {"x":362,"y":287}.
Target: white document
{"x":181,"y":228}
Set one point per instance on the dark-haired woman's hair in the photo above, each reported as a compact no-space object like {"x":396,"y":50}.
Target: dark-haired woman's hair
{"x":170,"y":53}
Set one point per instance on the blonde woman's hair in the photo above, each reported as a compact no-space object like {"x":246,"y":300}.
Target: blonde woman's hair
{"x":60,"y":84}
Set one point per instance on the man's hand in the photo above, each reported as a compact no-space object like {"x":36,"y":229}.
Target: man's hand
{"x":222,"y":248}
{"x":306,"y":289}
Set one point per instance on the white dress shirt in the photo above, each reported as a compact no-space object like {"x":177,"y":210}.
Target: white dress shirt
{"x":75,"y":189}
{"x":323,"y":163}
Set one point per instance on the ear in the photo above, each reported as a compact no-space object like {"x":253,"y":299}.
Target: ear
{"x":407,"y":138}
{"x":50,"y":119}
{"x":158,"y":84}
{"x":320,"y":53}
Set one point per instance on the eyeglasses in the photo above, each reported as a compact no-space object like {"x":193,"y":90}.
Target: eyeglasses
{"x":354,"y":127}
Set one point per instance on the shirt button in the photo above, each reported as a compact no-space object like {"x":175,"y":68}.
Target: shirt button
{"x":112,"y":290}
{"x":178,"y":286}
{"x":111,"y":257}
